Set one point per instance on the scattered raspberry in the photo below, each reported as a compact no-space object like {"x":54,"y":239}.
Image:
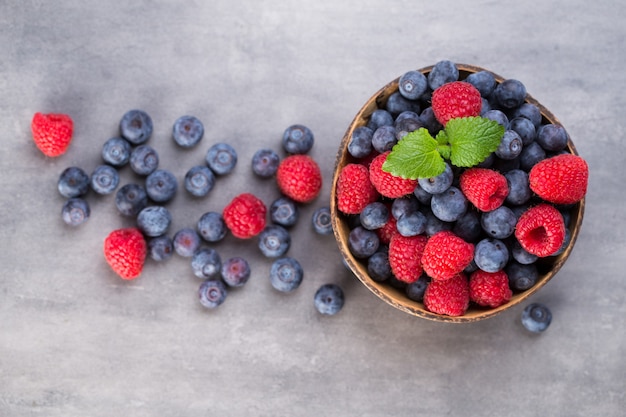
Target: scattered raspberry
{"x":405,"y":254}
{"x":541,"y":230}
{"x":299,"y":178}
{"x":245,"y":216}
{"x":354,"y":189}
{"x":386,"y":232}
{"x":125,"y":251}
{"x":561,"y":179}
{"x":445,"y":255}
{"x":486,"y":189}
{"x":449,"y":297}
{"x":386,"y":184}
{"x":52,"y":133}
{"x":489,"y":289}
{"x":456,"y":99}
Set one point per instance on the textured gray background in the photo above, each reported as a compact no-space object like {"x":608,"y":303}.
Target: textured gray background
{"x":77,"y":341}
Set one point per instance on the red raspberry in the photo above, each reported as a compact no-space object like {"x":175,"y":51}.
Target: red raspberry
{"x":354,"y":189}
{"x":489,"y":289}
{"x":387,"y":184}
{"x":299,"y":178}
{"x":125,"y":251}
{"x":405,"y":253}
{"x":52,"y":133}
{"x":449,"y":297}
{"x":456,"y":99}
{"x":245,"y":216}
{"x":561,"y":179}
{"x":386,"y":232}
{"x":484,"y":188}
{"x":445,"y":255}
{"x":541,"y":230}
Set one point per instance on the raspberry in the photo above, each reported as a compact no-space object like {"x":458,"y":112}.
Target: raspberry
{"x":386,"y":232}
{"x":561,"y":179}
{"x":245,"y":216}
{"x":540,"y":230}
{"x":449,"y":297}
{"x":405,"y":254}
{"x":386,"y":184}
{"x":456,"y":99}
{"x":354,"y":189}
{"x":486,"y":189}
{"x":299,"y":178}
{"x":489,"y":289}
{"x":125,"y":251}
{"x":445,"y":255}
{"x":52,"y":133}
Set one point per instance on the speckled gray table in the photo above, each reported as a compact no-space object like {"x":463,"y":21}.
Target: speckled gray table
{"x":77,"y":341}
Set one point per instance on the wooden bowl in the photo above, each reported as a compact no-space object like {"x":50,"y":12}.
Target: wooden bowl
{"x":548,"y":267}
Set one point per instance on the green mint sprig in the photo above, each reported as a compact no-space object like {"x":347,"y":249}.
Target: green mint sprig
{"x":465,"y":142}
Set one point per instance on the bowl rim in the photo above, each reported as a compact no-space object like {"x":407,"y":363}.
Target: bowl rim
{"x":395,"y":297}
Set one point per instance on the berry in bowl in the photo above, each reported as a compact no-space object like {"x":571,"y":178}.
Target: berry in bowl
{"x":456,"y":195}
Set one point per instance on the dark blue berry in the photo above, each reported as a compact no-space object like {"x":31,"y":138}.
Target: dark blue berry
{"x":434,"y":225}
{"x":443,"y":72}
{"x":536,"y":317}
{"x":235,"y":271}
{"x":530,"y":112}
{"x":439,"y":183}
{"x":497,"y":116}
{"x":212,"y":293}
{"x":412,"y":84}
{"x":407,"y":125}
{"x":397,"y":103}
{"x":116,"y":152}
{"x":521,"y":255}
{"x":511,"y":145}
{"x":211,"y":226}
{"x":329,"y":299}
{"x":411,"y":224}
{"x":73,"y":182}
{"x":286,"y":274}
{"x":154,"y":220}
{"x":468,"y":227}
{"x":384,"y":138}
{"x":521,"y":277}
{"x":187,"y":131}
{"x":491,"y":255}
{"x":374,"y":216}
{"x":450,"y":205}
{"x":130,"y":199}
{"x":144,"y":160}
{"x":265,"y":163}
{"x":363,"y":243}
{"x":430,"y":122}
{"x":161,"y":186}
{"x":415,"y":290}
{"x":136,"y":126}
{"x":360,"y":144}
{"x":378,"y":267}
{"x":186,"y":242}
{"x":499,"y":223}
{"x":206,"y":263}
{"x":404,"y":205}
{"x":524,"y":128}
{"x":423,"y":196}
{"x":298,"y":139}
{"x":552,"y":137}
{"x":530,"y":155}
{"x":274,"y":241}
{"x":160,"y":248}
{"x":284,"y":211}
{"x":75,"y":211}
{"x":321,"y":220}
{"x":380,"y":117}
{"x":484,"y":81}
{"x":519,"y":188}
{"x":510,"y":93}
{"x":104,"y":179}
{"x":199,"y":181}
{"x":221,"y":158}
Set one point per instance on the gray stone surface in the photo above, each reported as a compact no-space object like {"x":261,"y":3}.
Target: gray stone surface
{"x":77,"y":341}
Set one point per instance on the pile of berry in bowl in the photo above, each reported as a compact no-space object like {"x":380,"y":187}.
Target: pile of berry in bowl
{"x":456,"y":195}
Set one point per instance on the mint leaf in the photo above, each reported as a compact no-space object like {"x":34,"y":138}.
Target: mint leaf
{"x":472,"y":139}
{"x":415,"y":156}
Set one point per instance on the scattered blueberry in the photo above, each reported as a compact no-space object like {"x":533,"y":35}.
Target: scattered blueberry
{"x":497,"y":116}
{"x":499,"y":223}
{"x":521,"y":277}
{"x":199,"y":180}
{"x":161,"y":186}
{"x":430,"y":122}
{"x":380,"y":117}
{"x":286,"y":274}
{"x":206,"y":263}
{"x":265,"y":163}
{"x":104,"y":179}
{"x":360,"y":144}
{"x":450,"y":205}
{"x":521,"y":255}
{"x":322,"y":221}
{"x":136,"y":126}
{"x":423,"y":196}
{"x":154,"y":220}
{"x":144,"y":160}
{"x":235,"y":271}
{"x":510,"y":145}
{"x":529,"y":111}
{"x":211,"y":226}
{"x":468,"y":227}
{"x":411,"y":224}
{"x":415,"y":290}
{"x":491,"y":255}
{"x":384,"y":138}
{"x":298,"y":139}
{"x":75,"y":211}
{"x":439,"y":183}
{"x":405,"y":126}
{"x":221,"y":158}
{"x":329,"y":299}
{"x":274,"y":241}
{"x":530,"y":155}
{"x":397,"y":103}
{"x":519,"y":188}
{"x":186,"y":241}
{"x":524,"y":128}
{"x":536,"y":317}
{"x":404,"y":205}
{"x":363,"y":243}
{"x":160,"y":248}
{"x":552,"y":137}
{"x":442,"y":72}
{"x":378,"y":266}
{"x":187,"y":131}
{"x":212,"y":293}
{"x":510,"y":93}
{"x":484,"y":81}
{"x":374,"y":216}
{"x":284,"y":211}
{"x":412,"y":84}
{"x":73,"y":182}
{"x":116,"y":152}
{"x":434,"y":225}
{"x":130,"y":199}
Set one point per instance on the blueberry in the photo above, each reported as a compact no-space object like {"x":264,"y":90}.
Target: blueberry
{"x":211,"y":226}
{"x":374,"y":216}
{"x":524,"y":128}
{"x":154,"y":220}
{"x":75,"y":211}
{"x":536,"y":317}
{"x":187,"y":131}
{"x":407,"y":125}
{"x":186,"y":241}
{"x":298,"y":139}
{"x":415,"y":290}
{"x":235,"y":271}
{"x":497,"y":116}
{"x":144,"y":160}
{"x":130,"y":199}
{"x":161,"y":186}
{"x":411,"y":224}
{"x":521,"y":255}
{"x":423,"y":196}
{"x":397,"y":103}
{"x":450,"y":205}
{"x":407,"y":114}
{"x":443,"y":72}
{"x":284,"y":211}
{"x":286,"y":274}
{"x":136,"y":126}
{"x":552,"y":137}
{"x":380,"y":117}
{"x":199,"y":181}
{"x":521,"y":277}
{"x":212,"y":293}
{"x":322,"y":221}
{"x":378,"y":266}
{"x":329,"y":299}
{"x":412,"y":84}
{"x":116,"y":152}
{"x":530,"y":112}
{"x":104,"y":179}
{"x":265,"y":163}
{"x":404,"y":205}
{"x":274,"y":241}
{"x":484,"y":81}
{"x":519,"y":188}
{"x":434,"y":225}
{"x":485,"y":106}
{"x":499,"y":223}
{"x":468,"y":227}
{"x":360,"y":144}
{"x":491,"y":255}
{"x":439,"y":183}
{"x":505,"y":165}
{"x":510,"y":145}
{"x":363,"y":243}
{"x":73,"y":182}
{"x":530,"y":155}
{"x":160,"y":248}
{"x":429,"y":121}
{"x":384,"y":138}
{"x":510,"y":93}
{"x":206,"y":263}
{"x":221,"y":158}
